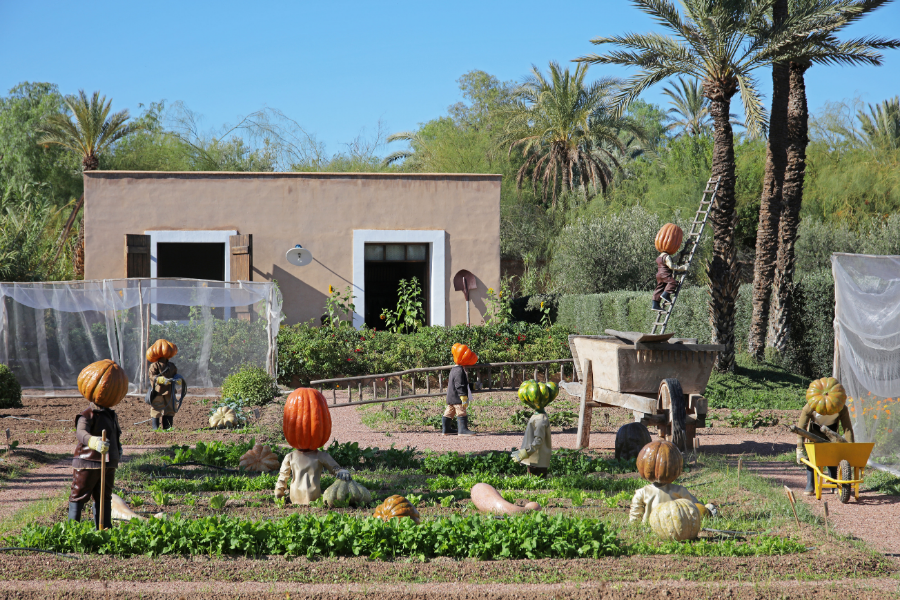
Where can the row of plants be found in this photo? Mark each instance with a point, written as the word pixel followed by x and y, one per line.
pixel 529 536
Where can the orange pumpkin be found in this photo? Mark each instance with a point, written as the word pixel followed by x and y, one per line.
pixel 826 396
pixel 396 506
pixel 161 349
pixel 104 383
pixel 660 462
pixel 307 420
pixel 669 238
pixel 463 356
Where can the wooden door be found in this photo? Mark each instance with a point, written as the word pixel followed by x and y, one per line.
pixel 242 266
pixel 137 255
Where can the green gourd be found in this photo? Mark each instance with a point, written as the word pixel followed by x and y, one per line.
pixel 342 494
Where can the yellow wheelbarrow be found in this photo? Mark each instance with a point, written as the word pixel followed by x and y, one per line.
pixel 850 459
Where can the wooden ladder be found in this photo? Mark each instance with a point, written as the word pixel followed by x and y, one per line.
pixel 707 202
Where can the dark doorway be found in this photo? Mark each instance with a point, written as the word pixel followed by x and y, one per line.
pixel 191 261
pixel 386 265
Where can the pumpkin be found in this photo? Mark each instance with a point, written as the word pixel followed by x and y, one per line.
pixel 224 417
pixel 307 421
pixel 260 458
pixel 677 520
pixel 463 356
pixel 104 383
pixel 701 508
pixel 537 394
pixel 826 396
pixel 161 349
pixel 669 238
pixel 396 506
pixel 342 494
pixel 630 438
pixel 660 462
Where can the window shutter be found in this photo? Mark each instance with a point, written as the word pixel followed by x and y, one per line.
pixel 137 255
pixel 241 257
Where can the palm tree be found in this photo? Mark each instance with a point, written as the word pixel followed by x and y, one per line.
pixel 881 126
pixel 721 43
pixel 823 50
pixel 88 130
pixel 690 108
pixel 566 130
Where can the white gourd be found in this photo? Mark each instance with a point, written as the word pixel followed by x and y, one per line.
pixel 676 520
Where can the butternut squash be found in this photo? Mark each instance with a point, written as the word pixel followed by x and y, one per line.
pixel 487 499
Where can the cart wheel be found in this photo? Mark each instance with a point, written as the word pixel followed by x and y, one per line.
pixel 845 473
pixel 670 393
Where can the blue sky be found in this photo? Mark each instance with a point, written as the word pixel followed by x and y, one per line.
pixel 338 67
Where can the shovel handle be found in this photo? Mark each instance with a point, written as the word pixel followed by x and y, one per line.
pixel 102 485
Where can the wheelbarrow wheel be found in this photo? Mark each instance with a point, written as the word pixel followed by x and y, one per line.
pixel 670 394
pixel 845 473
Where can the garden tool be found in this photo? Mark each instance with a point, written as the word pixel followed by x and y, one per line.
pixel 102 485
pixel 167 381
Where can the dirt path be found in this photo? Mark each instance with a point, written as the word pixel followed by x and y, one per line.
pixel 874 518
pixel 869 589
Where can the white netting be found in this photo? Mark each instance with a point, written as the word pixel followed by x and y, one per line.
pixel 867 341
pixel 50 331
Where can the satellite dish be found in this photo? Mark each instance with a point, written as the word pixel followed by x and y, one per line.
pixel 299 256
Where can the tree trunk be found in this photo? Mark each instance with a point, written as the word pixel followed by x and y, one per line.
pixel 722 269
pixel 792 198
pixel 770 201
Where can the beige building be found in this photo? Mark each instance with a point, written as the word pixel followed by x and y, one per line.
pixel 365 231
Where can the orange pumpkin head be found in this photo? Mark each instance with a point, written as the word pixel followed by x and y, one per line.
pixel 104 383
pixel 161 349
pixel 307 421
pixel 463 356
pixel 826 396
pixel 669 238
pixel 660 462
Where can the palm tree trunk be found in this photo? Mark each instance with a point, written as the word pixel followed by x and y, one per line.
pixel 792 198
pixel 722 269
pixel 770 201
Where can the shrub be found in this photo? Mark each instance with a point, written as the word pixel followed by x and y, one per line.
pixel 251 384
pixel 10 390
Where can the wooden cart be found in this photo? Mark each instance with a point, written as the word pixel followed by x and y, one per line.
pixel 660 379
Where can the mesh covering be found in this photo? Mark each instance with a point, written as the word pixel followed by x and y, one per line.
pixel 867 349
pixel 50 331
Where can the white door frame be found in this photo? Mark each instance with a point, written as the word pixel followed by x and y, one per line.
pixel 437 241
pixel 199 236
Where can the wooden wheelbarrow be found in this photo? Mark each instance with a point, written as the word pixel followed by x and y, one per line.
pixel 850 459
pixel 660 379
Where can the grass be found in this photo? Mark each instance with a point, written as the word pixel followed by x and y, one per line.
pixel 35 512
pixel 756 386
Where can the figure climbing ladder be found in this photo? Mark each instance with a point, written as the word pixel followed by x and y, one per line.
pixel 707 201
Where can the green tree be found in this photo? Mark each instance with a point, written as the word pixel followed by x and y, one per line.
pixel 87 130
pixel 567 129
pixel 720 43
pixel 690 108
pixel 22 160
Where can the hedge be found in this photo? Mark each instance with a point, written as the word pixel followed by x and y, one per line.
pixel 811 348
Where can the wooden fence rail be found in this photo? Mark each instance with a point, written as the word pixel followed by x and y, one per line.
pixel 507 381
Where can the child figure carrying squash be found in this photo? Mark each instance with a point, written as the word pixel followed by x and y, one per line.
pixel 458 391
pixel 103 384
pixel 307 426
pixel 825 408
pixel 162 370
pixel 668 241
pixel 536 444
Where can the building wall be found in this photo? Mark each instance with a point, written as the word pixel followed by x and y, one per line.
pixel 319 211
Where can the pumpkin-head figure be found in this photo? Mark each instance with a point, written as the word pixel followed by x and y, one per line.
pixel 826 396
pixel 161 349
pixel 669 238
pixel 307 421
pixel 660 462
pixel 537 394
pixel 104 383
pixel 463 356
